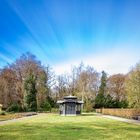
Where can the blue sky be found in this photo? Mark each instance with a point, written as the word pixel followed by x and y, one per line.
pixel 102 33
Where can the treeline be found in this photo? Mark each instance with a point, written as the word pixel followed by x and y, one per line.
pixel 27 85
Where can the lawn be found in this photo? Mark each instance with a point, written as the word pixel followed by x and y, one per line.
pixel 55 127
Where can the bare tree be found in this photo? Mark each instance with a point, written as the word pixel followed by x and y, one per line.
pixel 116 86
pixel 132 86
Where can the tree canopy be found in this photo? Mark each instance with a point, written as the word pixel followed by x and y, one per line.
pixel 27 83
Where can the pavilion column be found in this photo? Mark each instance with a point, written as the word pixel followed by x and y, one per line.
pixel 64 109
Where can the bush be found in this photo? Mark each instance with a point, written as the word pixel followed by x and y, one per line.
pixel 123 104
pixel 55 110
pixel 47 106
pixel 88 107
pixel 40 110
pixel 109 102
pixel 2 113
pixel 51 102
pixel 14 108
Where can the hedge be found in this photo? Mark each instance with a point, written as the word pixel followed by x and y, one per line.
pixel 127 113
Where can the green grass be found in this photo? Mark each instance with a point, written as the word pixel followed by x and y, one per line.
pixel 55 127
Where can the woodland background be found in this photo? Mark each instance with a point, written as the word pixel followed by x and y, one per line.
pixel 27 85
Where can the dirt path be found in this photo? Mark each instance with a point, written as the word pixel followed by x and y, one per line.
pixel 122 119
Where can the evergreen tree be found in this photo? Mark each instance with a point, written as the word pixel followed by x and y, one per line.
pixel 48 104
pixel 30 93
pixel 100 98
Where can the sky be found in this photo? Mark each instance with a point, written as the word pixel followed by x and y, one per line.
pixel 104 34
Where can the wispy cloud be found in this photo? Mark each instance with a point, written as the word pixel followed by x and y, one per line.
pixel 38 24
pixel 104 35
pixel 115 60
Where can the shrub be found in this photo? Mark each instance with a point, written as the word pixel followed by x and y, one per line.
pixel 88 107
pixel 40 110
pixel 2 113
pixel 14 108
pixel 55 110
pixel 51 102
pixel 47 106
pixel 123 104
pixel 109 102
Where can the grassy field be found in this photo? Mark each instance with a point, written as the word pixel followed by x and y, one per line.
pixel 55 127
